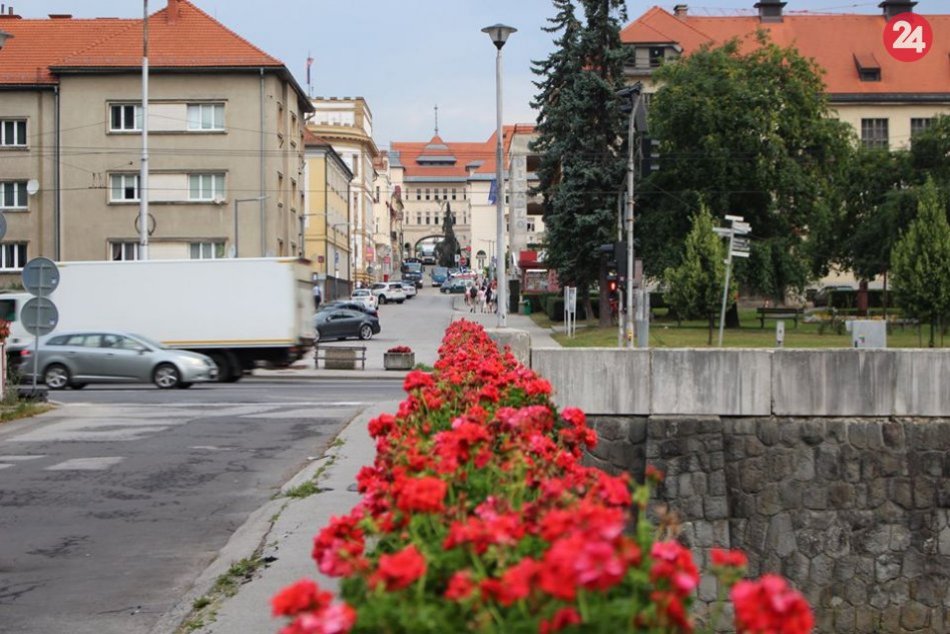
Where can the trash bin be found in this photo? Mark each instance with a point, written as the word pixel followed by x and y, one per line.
pixel 525 307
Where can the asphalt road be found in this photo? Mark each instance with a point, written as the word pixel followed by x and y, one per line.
pixel 112 505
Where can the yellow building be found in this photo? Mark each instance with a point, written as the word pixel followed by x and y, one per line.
pixel 326 220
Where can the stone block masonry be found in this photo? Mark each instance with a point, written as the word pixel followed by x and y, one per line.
pixel 854 511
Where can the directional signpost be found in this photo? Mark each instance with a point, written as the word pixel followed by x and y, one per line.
pixel 39 315
pixel 739 248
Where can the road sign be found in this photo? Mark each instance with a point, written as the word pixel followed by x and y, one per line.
pixel 40 276
pixel 39 316
pixel 741 227
pixel 740 244
pixel 740 254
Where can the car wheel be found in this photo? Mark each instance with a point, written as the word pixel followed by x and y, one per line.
pixel 56 376
pixel 382 299
pixel 166 376
pixel 77 386
pixel 366 332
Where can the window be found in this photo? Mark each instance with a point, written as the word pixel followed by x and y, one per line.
pixel 126 118
pixel 435 221
pixel 657 54
pixel 13 133
pixel 919 125
pixel 13 195
pixel 869 74
pixel 874 133
pixel 428 218
pixel 205 116
pixel 453 193
pixel 445 193
pixel 530 225
pixel 418 219
pixel 418 194
pixel 207 250
pixel 124 250
pixel 12 255
pixel 205 186
pixel 427 193
pixel 124 188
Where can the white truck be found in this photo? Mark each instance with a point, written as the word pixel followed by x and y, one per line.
pixel 241 312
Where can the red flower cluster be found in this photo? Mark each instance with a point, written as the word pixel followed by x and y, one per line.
pixel 405 349
pixel 315 612
pixel 770 606
pixel 483 516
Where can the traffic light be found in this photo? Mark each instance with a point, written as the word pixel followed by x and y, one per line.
pixel 612 286
pixel 620 257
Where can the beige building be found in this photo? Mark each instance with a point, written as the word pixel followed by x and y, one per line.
pixel 326 221
pixel 886 101
pixel 225 137
pixel 437 176
pixel 347 123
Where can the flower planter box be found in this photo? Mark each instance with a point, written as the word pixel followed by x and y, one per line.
pixel 399 360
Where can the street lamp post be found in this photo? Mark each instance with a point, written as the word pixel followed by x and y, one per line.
pixel 633 94
pixel 499 35
pixel 236 202
pixel 143 173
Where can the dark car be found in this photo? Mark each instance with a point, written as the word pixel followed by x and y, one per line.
pixel 439 275
pixel 455 287
pixel 340 323
pixel 349 305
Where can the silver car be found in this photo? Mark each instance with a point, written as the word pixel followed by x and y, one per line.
pixel 74 359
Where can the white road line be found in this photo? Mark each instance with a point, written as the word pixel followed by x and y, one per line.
pixel 86 464
pixel 21 458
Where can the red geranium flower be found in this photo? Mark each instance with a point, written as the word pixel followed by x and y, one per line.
pixel 770 605
pixel 399 570
pixel 303 596
pixel 423 495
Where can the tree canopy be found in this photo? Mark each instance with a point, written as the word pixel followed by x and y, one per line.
pixel 580 131
pixel 746 133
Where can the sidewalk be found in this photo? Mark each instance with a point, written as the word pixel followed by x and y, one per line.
pixel 540 337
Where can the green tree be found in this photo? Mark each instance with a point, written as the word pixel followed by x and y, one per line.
pixel 920 262
pixel 448 248
pixel 580 134
pixel 750 134
pixel 694 288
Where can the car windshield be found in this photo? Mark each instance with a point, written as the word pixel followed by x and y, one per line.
pixel 360 292
pixel 150 342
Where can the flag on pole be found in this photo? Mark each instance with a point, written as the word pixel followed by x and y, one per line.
pixel 493 192
pixel 309 64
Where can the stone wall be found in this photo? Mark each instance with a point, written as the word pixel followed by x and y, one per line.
pixel 855 512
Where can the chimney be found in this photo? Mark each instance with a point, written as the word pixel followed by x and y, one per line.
pixel 680 10
pixel 770 10
pixel 896 7
pixel 171 14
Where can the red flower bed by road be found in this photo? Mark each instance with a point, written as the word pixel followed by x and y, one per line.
pixel 483 518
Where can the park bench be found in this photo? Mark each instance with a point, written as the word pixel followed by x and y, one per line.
pixel 778 312
pixel 339 357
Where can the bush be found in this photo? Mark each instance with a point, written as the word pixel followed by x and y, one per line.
pixel 483 518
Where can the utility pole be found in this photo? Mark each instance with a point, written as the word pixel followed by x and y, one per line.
pixel 633 94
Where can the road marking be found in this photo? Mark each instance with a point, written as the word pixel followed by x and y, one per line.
pixel 21 458
pixel 4 466
pixel 86 464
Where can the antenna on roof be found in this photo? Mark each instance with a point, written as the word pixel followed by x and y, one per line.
pixel 437 119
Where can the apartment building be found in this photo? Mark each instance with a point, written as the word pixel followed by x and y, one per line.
pixel 326 220
pixel 224 132
pixel 437 176
pixel 886 101
pixel 347 123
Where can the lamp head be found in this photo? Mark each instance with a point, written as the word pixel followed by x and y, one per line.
pixel 499 34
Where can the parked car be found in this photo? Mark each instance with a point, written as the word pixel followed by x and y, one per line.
pixel 75 359
pixel 408 287
pixel 455 286
pixel 366 297
pixel 349 304
pixel 438 274
pixel 389 292
pixel 341 323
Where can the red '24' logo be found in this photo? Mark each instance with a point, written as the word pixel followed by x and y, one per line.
pixel 908 37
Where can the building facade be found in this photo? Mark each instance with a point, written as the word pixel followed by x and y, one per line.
pixel 436 177
pixel 347 123
pixel 224 132
pixel 886 101
pixel 326 220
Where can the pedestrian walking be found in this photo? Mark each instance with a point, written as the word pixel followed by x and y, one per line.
pixel 317 296
pixel 470 295
pixel 481 300
pixel 489 298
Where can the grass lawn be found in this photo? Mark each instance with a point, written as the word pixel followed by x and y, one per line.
pixel 694 334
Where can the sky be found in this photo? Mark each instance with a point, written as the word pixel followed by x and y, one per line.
pixel 405 57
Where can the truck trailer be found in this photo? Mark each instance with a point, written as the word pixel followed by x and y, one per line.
pixel 242 312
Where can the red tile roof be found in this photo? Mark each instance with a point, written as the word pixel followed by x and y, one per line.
pixel 180 35
pixel 833 41
pixel 464 154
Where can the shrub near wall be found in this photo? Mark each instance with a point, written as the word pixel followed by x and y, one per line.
pixel 483 519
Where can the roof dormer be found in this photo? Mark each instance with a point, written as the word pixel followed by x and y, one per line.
pixel 869 69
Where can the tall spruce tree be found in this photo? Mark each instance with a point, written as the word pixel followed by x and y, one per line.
pixel 581 130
